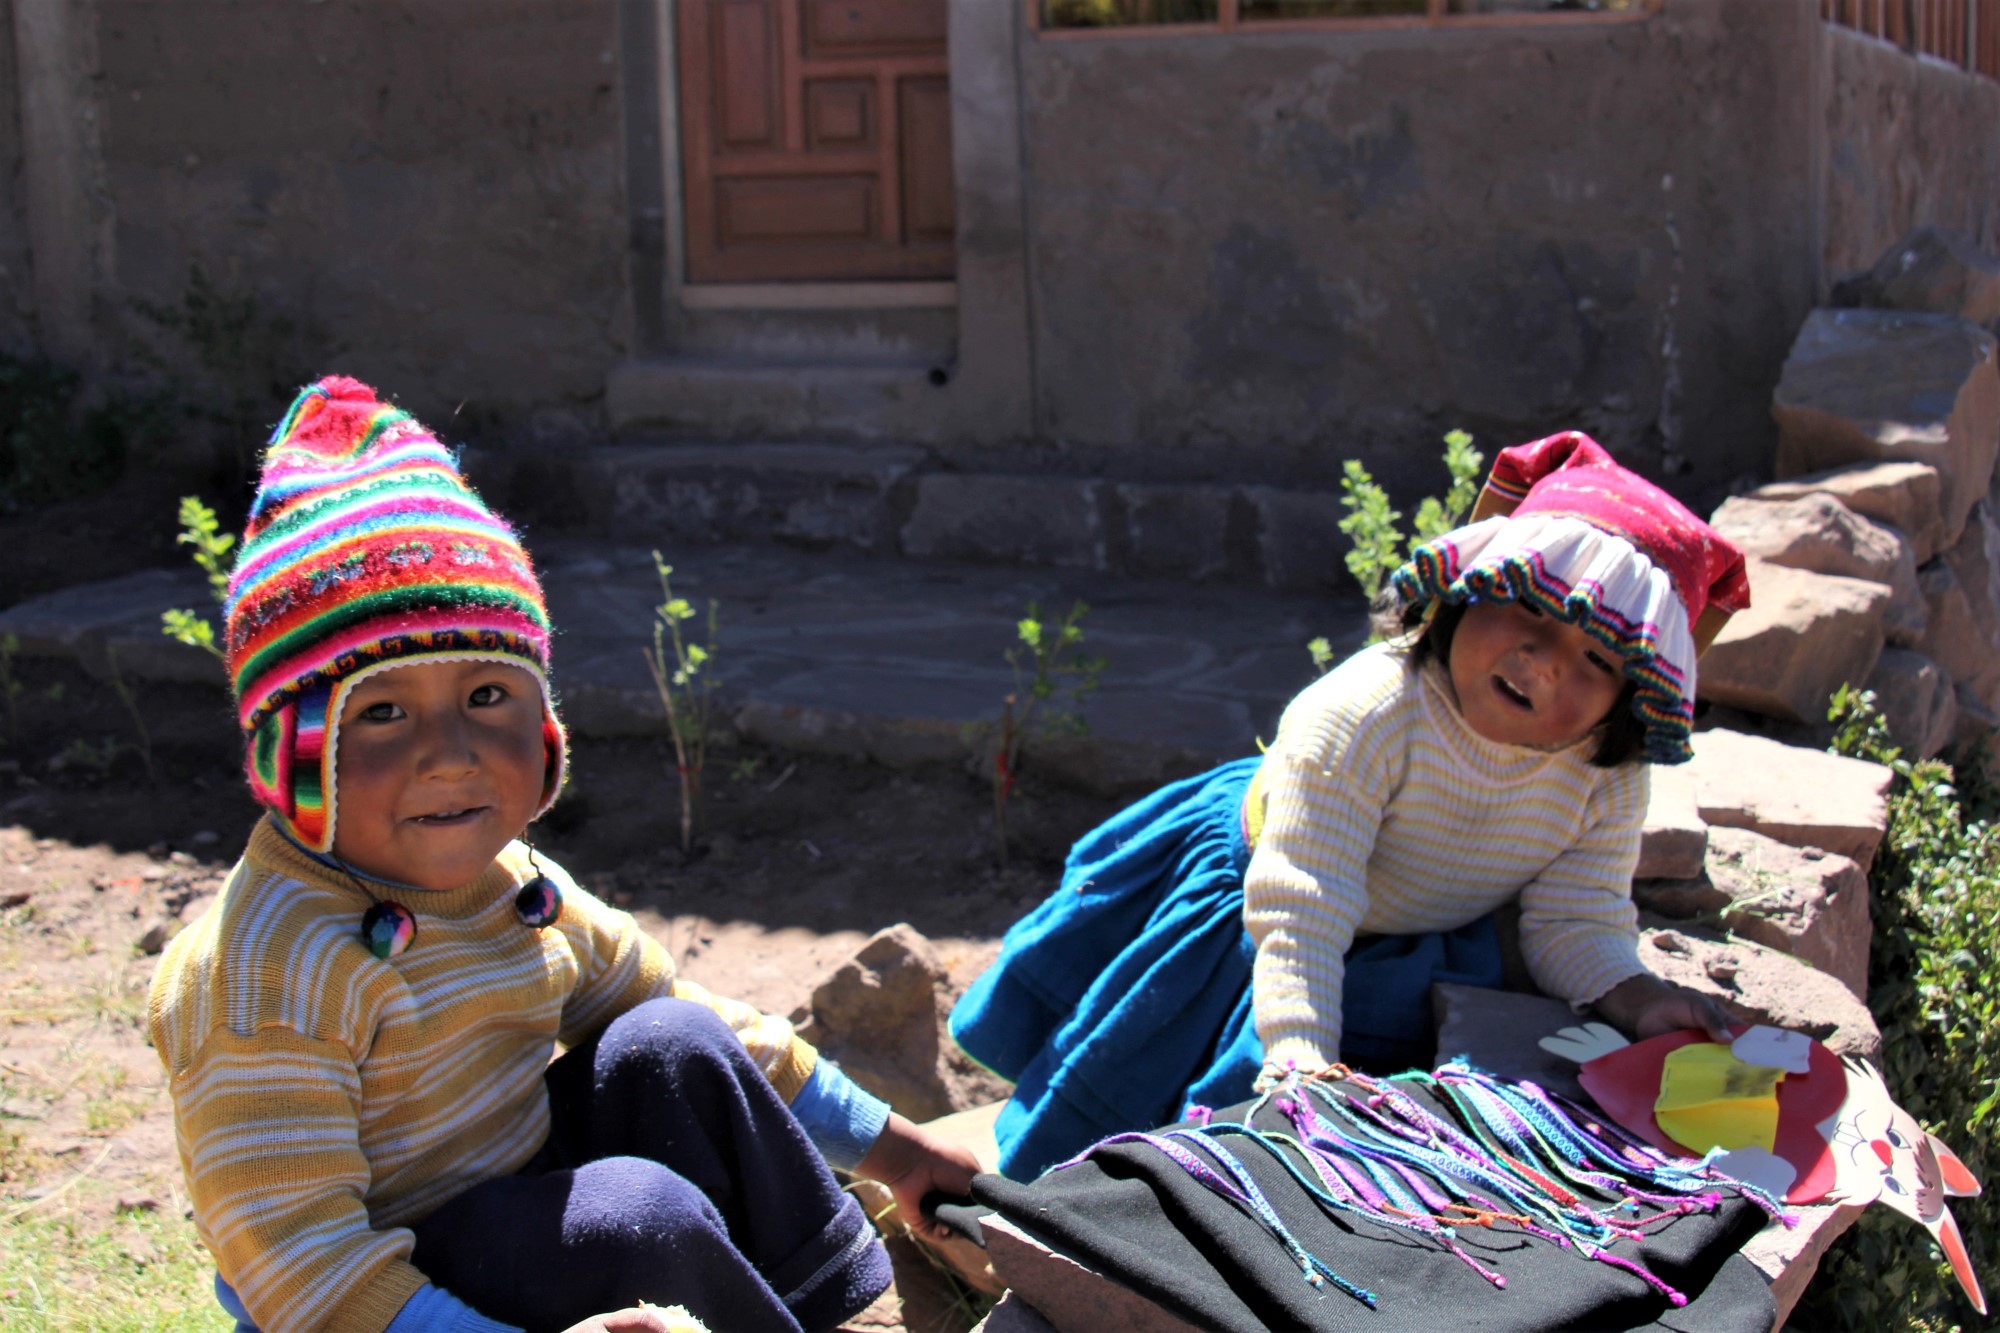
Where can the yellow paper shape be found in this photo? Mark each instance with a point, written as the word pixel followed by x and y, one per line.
pixel 1711 1099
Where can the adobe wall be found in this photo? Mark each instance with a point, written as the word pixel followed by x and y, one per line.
pixel 16 296
pixel 440 198
pixel 1265 253
pixel 1909 141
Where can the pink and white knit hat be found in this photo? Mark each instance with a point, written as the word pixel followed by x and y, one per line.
pixel 1600 547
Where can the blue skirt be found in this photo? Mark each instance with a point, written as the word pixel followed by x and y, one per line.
pixel 1126 995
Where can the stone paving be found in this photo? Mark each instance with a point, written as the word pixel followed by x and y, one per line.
pixel 842 653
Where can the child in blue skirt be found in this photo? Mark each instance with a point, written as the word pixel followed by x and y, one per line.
pixel 1294 910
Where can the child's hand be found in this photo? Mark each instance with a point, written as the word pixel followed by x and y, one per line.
pixel 637 1319
pixel 1645 1006
pixel 914 1163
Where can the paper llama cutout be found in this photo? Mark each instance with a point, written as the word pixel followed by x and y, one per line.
pixel 1838 1135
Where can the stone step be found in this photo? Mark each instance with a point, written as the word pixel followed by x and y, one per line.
pixel 832 652
pixel 889 499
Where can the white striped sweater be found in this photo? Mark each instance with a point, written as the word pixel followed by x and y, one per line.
pixel 1379 811
pixel 324 1099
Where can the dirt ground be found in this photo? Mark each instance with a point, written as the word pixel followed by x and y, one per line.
pixel 101 861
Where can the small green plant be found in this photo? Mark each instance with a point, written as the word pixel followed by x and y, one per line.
pixel 1051 681
pixel 211 547
pixel 687 690
pixel 1936 908
pixel 1375 529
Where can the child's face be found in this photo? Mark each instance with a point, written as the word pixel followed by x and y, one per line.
pixel 439 765
pixel 1523 678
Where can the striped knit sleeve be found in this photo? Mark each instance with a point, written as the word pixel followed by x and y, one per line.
pixel 267 1125
pixel 620 965
pixel 1326 782
pixel 1579 928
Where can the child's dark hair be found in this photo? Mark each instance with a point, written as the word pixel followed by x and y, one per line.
pixel 1624 736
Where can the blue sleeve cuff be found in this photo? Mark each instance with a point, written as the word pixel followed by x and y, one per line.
pixel 842 1121
pixel 432 1309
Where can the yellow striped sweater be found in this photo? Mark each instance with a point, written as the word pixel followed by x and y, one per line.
pixel 1379 811
pixel 323 1099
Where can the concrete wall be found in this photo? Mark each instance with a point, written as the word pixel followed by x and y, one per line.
pixel 434 189
pixel 1300 247
pixel 16 302
pixel 1909 141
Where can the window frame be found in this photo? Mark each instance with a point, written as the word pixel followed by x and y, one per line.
pixel 1229 20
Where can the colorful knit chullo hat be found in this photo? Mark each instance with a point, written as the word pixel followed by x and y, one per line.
pixel 365 550
pixel 1588 542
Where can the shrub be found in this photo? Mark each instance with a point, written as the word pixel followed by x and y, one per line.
pixel 1937 931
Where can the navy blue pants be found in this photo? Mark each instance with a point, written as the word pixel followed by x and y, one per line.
pixel 673 1173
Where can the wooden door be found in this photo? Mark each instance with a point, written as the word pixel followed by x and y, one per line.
pixel 815 140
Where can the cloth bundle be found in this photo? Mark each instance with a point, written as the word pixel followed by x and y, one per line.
pixel 1453 1200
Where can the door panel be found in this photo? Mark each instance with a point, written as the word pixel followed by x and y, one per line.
pixel 815 139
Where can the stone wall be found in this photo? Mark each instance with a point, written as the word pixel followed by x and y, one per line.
pixel 1909 142
pixel 438 196
pixel 16 300
pixel 1340 243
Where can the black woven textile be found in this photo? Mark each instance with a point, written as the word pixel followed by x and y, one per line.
pixel 1130 1213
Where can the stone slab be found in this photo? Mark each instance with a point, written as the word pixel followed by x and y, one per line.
pixel 1802 901
pixel 1788 1257
pixel 1935 270
pixel 1806 798
pixel 1917 701
pixel 1014 1315
pixel 1179 532
pixel 1901 494
pixel 1012 520
pixel 1760 985
pixel 1861 385
pixel 1674 841
pixel 1818 533
pixel 1071 1297
pixel 836 652
pixel 1802 637
pixel 1500 1032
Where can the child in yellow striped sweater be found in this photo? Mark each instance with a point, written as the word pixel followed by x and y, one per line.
pixel 359 1034
pixel 1294 909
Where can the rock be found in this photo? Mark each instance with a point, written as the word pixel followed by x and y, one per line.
pixel 1902 495
pixel 138 1203
pixel 1008 520
pixel 881 1015
pixel 1068 1295
pixel 1299 537
pixel 1974 561
pixel 1500 1032
pixel 1805 798
pixel 1674 840
pixel 1817 532
pixel 1766 986
pixel 1932 270
pixel 1963 649
pixel 1862 385
pixel 1802 901
pixel 1916 700
pixel 1014 1315
pixel 1789 1256
pixel 155 937
pixel 1802 637
pixel 1977 742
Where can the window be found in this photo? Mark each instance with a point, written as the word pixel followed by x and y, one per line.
pixel 1965 33
pixel 1070 17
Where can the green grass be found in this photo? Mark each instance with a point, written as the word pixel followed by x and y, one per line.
pixel 62 1268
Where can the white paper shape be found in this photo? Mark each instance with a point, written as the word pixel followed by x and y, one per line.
pixel 1584 1043
pixel 1756 1166
pixel 1774 1048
